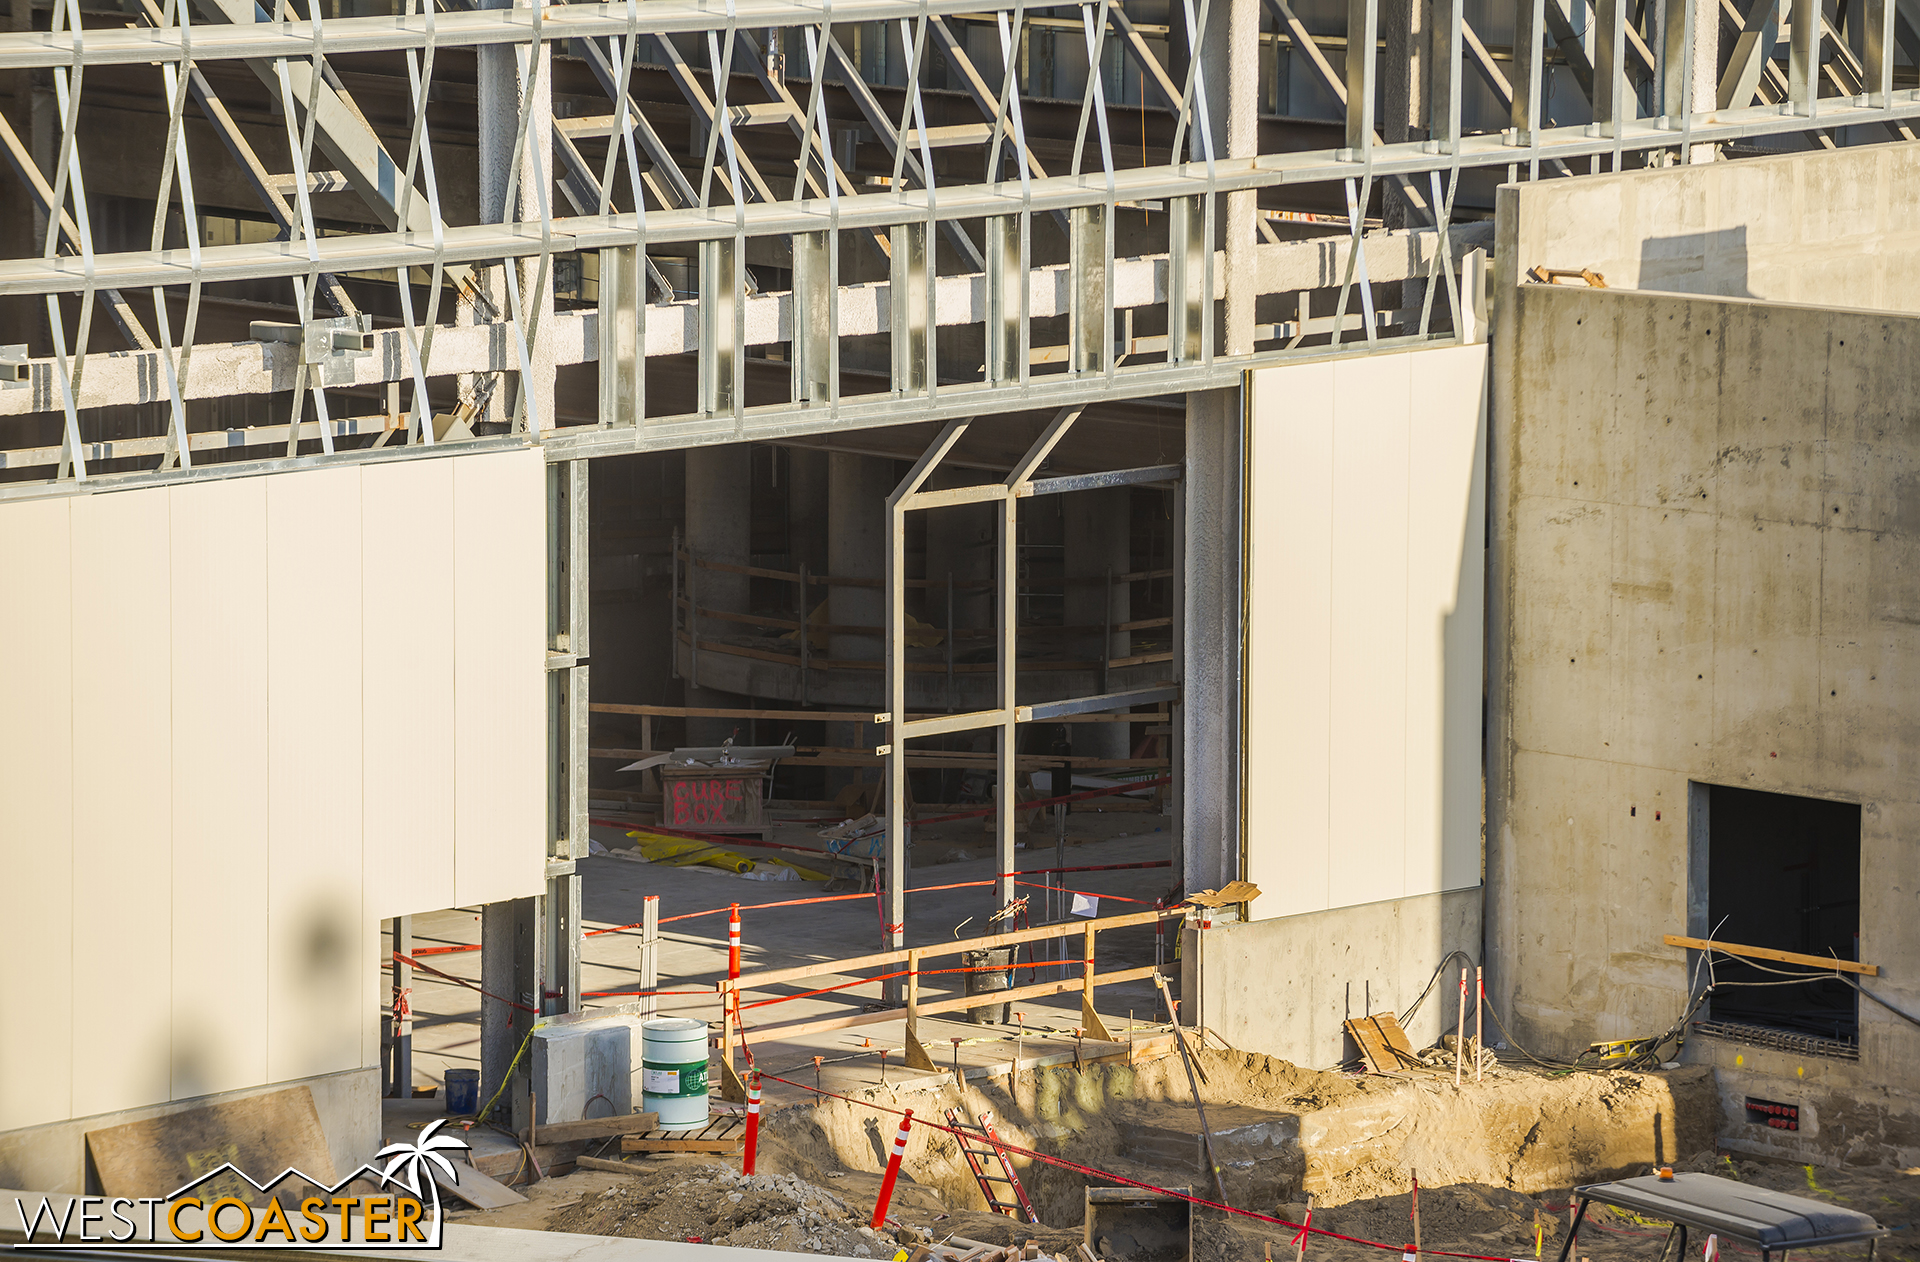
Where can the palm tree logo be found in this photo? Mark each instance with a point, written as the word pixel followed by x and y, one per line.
pixel 410 1161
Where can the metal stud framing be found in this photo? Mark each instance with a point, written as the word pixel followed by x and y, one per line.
pixel 980 248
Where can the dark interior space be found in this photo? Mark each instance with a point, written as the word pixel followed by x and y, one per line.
pixel 1784 873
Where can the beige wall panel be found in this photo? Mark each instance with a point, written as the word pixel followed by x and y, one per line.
pixel 36 814
pixel 1288 684
pixel 499 664
pixel 318 971
pixel 1367 515
pixel 408 645
pixel 1367 831
pixel 122 802
pixel 219 686
pixel 1446 588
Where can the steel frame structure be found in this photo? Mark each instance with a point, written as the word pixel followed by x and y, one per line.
pixel 1005 718
pixel 1204 284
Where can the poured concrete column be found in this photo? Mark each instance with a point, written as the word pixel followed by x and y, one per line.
pixel 1230 60
pixel 1210 719
pixel 511 969
pixel 960 545
pixel 502 71
pixel 1099 539
pixel 805 469
pixel 1405 27
pixel 719 482
pixel 857 490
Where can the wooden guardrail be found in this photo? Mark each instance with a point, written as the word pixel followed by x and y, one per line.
pixel 730 989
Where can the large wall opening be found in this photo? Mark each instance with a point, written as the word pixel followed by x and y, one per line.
pixel 1783 872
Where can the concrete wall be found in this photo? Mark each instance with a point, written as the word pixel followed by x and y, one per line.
pixel 1367 520
pixel 1706 569
pixel 255 717
pixel 1283 986
pixel 1831 227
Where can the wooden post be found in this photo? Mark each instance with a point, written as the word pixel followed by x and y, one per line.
pixel 1089 1019
pixel 649 954
pixel 732 1086
pixel 917 1057
pixel 1459 1032
pixel 1479 1004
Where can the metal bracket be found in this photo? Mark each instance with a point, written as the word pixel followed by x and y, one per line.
pixel 328 347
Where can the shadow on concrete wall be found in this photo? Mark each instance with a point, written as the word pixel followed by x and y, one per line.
pixel 1697 263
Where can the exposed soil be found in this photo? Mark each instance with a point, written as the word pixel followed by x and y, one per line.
pixel 1494 1162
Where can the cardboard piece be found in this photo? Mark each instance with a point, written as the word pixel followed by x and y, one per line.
pixel 1233 892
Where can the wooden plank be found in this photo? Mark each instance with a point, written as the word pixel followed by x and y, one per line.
pixel 754 981
pixel 640 1143
pixel 482 1191
pixel 262 1135
pixel 1384 1044
pixel 594 1128
pixel 1768 953
pixel 838 716
pixel 611 1167
pixel 954 1004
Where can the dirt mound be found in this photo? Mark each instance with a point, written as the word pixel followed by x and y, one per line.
pixel 715 1205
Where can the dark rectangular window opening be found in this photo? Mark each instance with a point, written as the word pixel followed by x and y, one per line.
pixel 1783 872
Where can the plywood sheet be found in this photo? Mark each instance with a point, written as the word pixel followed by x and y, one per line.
pixel 262 1135
pixel 36 813
pixel 319 976
pixel 1384 1044
pixel 499 665
pixel 122 810
pixel 218 619
pixel 408 637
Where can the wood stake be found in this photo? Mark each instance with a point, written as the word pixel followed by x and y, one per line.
pixel 1300 1250
pixel 1479 1004
pixel 1459 1032
pixel 1416 1211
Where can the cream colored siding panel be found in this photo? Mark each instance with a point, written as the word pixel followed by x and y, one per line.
pixel 1289 646
pixel 499 699
pixel 407 638
pixel 122 802
pixel 219 724
pixel 1367 824
pixel 317 971
pixel 1365 578
pixel 36 814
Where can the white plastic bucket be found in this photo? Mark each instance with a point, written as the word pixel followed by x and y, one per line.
pixel 673 1070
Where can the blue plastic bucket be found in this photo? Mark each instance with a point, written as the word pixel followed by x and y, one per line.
pixel 463 1092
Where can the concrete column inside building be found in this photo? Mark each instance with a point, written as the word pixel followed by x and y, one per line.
pixel 857 490
pixel 1099 540
pixel 509 195
pixel 1210 704
pixel 719 529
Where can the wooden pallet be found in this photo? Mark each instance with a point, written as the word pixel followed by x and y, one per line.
pixel 721 1135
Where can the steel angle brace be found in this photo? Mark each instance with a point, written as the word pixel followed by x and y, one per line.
pixel 23 165
pixel 815 143
pixel 1336 84
pixel 889 133
pixel 985 101
pixel 214 110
